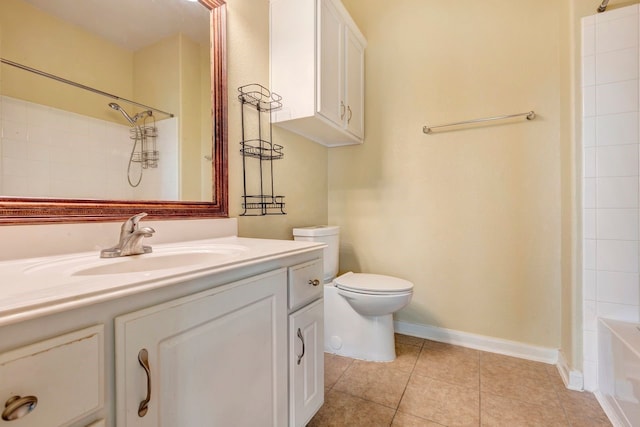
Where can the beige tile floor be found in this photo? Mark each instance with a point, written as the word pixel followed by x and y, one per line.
pixel 434 384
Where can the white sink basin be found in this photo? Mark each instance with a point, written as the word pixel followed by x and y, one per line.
pixel 163 258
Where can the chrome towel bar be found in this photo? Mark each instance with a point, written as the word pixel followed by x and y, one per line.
pixel 530 115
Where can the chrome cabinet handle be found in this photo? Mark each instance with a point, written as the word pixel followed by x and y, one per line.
pixel 301 339
pixel 143 358
pixel 314 282
pixel 350 114
pixel 342 110
pixel 17 407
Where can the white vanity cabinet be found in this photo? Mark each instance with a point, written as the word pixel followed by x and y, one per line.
pixel 202 347
pixel 306 342
pixel 214 358
pixel 317 66
pixel 54 382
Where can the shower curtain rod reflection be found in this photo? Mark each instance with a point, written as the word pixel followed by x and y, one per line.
pixel 530 115
pixel 79 85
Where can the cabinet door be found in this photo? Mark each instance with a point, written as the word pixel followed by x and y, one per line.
pixel 354 84
pixel 217 358
pixel 306 363
pixel 330 63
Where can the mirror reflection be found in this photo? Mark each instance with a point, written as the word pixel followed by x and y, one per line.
pixel 105 100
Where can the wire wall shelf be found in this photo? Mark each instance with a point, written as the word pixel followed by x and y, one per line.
pixel 260 97
pixel 259 197
pixel 260 149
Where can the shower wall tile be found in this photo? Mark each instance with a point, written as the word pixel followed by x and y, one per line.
pixel 589 254
pixel 589 315
pixel 589 101
pixel 589 132
pixel 615 66
pixel 618 287
pixel 615 129
pixel 14 130
pixel 589 193
pixel 616 160
pixel 589 289
pixel 589 224
pixel 615 14
pixel 590 342
pixel 14 149
pixel 617 193
pixel 624 312
pixel 588 70
pixel 589 169
pixel 613 98
pixel 15 111
pixel 45 152
pixel 588 38
pixel 616 224
pixel 617 255
pixel 615 34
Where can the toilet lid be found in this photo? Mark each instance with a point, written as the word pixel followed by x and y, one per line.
pixel 376 283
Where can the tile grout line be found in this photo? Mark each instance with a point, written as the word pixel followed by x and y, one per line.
pixel 555 390
pixel 407 384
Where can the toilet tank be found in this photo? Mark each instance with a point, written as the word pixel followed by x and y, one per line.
pixel 329 234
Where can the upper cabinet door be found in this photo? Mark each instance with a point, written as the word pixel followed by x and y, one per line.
pixel 354 84
pixel 317 37
pixel 331 64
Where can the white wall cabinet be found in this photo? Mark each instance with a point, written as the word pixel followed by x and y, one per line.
pixel 215 358
pixel 317 66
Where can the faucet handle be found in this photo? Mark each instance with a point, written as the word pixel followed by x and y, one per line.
pixel 131 224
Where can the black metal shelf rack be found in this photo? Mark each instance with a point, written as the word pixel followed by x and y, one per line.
pixel 257 97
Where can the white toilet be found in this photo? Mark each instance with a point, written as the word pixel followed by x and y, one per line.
pixel 358 307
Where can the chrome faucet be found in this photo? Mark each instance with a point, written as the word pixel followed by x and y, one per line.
pixel 131 236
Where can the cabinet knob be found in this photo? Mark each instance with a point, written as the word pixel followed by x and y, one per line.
pixel 314 282
pixel 17 407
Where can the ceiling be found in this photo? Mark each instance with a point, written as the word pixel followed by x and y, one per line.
pixel 132 24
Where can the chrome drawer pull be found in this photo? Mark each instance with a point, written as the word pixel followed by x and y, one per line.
pixel 17 407
pixel 314 282
pixel 143 358
pixel 301 339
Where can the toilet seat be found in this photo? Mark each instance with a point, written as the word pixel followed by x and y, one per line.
pixel 373 284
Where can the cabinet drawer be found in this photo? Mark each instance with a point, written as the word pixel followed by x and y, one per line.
pixel 64 373
pixel 305 283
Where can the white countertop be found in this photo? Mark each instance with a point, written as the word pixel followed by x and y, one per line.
pixel 35 287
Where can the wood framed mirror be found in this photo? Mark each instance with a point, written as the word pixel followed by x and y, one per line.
pixel 28 210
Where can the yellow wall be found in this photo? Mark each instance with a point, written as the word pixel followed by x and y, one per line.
pixel 168 75
pixel 301 176
pixel 38 40
pixel 472 217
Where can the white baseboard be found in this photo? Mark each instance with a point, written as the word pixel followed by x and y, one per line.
pixel 479 342
pixel 573 380
pixel 612 410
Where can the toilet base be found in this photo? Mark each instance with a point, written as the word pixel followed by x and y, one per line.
pixel 349 334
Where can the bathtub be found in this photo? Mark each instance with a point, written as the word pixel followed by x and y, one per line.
pixel 619 371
